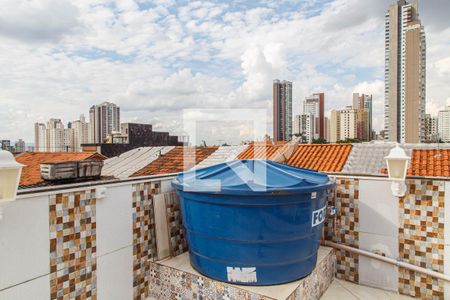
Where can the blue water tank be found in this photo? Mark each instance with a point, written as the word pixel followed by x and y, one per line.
pixel 253 222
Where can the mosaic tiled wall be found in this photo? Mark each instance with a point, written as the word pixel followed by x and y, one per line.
pixel 421 237
pixel 318 282
pixel 177 235
pixel 170 283
pixel 73 247
pixel 144 236
pixel 344 228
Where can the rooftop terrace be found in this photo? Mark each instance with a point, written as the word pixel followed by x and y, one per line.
pixel 131 242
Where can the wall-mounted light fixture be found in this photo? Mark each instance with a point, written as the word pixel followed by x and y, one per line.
pixel 397 164
pixel 10 171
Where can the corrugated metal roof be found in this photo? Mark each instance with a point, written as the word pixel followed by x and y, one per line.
pixel 368 158
pixel 223 154
pixel 124 165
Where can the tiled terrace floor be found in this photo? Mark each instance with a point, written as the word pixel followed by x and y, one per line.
pixel 340 289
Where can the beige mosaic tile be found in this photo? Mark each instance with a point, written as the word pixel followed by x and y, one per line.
pixel 344 228
pixel 315 285
pixel 177 233
pixel 421 237
pixel 73 263
pixel 144 236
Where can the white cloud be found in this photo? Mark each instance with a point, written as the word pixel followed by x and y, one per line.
pixel 38 20
pixel 154 58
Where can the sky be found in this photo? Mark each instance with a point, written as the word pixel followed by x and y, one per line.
pixel 156 58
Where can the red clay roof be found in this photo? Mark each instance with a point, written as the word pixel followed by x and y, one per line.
pixel 173 161
pixel 325 158
pixel 31 174
pixel 259 151
pixel 430 163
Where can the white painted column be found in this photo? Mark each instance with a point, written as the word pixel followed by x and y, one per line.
pixel 378 224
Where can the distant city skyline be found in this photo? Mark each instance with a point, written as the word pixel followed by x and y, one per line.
pixel 169 57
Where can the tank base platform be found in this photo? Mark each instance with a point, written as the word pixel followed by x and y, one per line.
pixel 175 278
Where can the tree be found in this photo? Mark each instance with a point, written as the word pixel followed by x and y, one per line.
pixel 319 141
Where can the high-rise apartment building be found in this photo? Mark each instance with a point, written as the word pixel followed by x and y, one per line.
pixel 282 110
pixel 69 145
pixel 19 146
pixel 315 105
pixel 5 145
pixel 327 129
pixel 40 137
pixel 405 73
pixel 304 125
pixel 55 136
pixel 444 125
pixel 431 128
pixel 348 123
pixel 335 126
pixel 104 119
pixel 80 133
pixel 363 104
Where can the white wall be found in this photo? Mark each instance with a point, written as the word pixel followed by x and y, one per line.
pixel 24 247
pixel 114 244
pixel 378 221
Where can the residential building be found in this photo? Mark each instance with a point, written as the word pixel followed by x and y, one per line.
pixel 363 104
pixel 405 73
pixel 362 125
pixel 103 120
pixel 335 126
pixel 6 145
pixel 19 146
pixel 304 125
pixel 315 105
pixel 382 135
pixel 55 136
pixel 444 125
pixel 80 133
pixel 327 129
pixel 40 137
pixel 282 110
pixel 132 136
pixel 431 128
pixel 69 145
pixel 348 123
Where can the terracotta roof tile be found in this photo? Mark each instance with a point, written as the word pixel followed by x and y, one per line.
pixel 31 173
pixel 174 160
pixel 430 162
pixel 326 158
pixel 260 151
